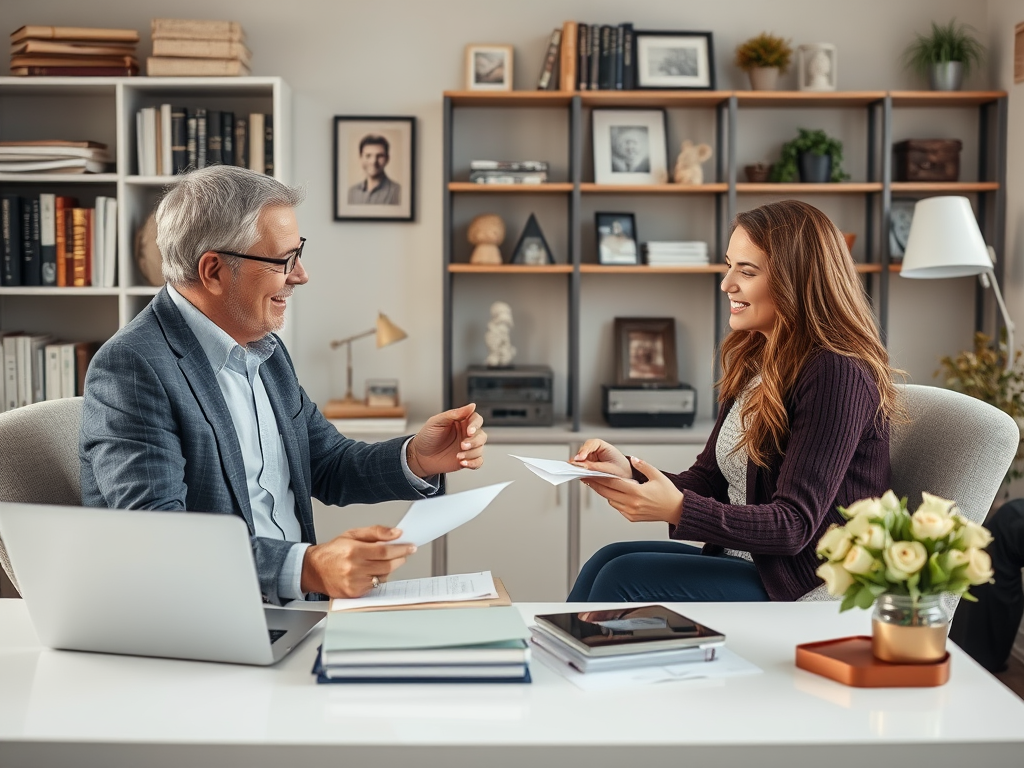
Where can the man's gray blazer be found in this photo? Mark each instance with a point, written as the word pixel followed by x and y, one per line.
pixel 157 434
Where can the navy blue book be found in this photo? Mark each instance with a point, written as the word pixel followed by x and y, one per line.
pixel 10 230
pixel 628 58
pixel 31 261
pixel 619 37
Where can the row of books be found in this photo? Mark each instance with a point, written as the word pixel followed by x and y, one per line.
pixel 54 156
pixel 172 139
pixel 508 171
pixel 198 48
pixel 73 51
pixel 49 240
pixel 37 367
pixel 595 57
pixel 675 253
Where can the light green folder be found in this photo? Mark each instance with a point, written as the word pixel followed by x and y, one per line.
pixel 421 629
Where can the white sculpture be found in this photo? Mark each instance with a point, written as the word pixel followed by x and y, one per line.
pixel 498 336
pixel 816 64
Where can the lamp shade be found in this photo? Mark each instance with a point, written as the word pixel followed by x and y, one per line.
pixel 387 332
pixel 944 240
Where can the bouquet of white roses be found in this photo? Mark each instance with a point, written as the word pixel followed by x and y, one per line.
pixel 883 548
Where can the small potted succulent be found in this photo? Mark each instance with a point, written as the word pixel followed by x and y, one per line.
pixel 945 56
pixel 764 58
pixel 813 156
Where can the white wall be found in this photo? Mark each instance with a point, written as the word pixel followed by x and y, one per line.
pixel 395 57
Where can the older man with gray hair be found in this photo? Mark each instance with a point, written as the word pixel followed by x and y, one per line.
pixel 195 405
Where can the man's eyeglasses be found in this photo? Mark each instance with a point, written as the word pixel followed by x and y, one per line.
pixel 288 262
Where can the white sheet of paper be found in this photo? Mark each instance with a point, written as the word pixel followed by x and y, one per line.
pixel 429 518
pixel 558 472
pixel 728 664
pixel 433 589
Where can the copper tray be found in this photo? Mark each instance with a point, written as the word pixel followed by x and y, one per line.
pixel 849 660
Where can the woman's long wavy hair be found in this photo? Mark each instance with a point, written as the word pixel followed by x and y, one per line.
pixel 819 305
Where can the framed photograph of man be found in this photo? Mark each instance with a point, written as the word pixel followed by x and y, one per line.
pixel 374 168
pixel 645 352
pixel 629 146
pixel 676 60
pixel 616 238
pixel 488 67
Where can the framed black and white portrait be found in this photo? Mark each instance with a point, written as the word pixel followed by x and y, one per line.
pixel 629 146
pixel 488 67
pixel 676 60
pixel 374 168
pixel 616 238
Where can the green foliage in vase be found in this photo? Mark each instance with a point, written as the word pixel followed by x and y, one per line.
pixel 949 42
pixel 816 142
pixel 765 50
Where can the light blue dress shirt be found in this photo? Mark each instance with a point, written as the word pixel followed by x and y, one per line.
pixel 267 475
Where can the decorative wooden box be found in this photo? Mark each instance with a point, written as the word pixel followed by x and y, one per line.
pixel 928 160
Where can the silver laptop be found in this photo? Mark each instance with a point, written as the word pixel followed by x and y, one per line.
pixel 173 584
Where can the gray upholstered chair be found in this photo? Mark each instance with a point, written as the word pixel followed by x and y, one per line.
pixel 39 457
pixel 954 446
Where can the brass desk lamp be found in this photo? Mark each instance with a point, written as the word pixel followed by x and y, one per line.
pixel 386 333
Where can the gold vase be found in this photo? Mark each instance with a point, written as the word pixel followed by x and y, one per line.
pixel 905 631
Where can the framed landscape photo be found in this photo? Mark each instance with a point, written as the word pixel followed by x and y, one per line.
pixel 676 60
pixel 616 238
pixel 629 146
pixel 489 67
pixel 374 168
pixel 645 352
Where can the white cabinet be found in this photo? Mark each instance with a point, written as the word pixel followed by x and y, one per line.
pixel 600 524
pixel 522 537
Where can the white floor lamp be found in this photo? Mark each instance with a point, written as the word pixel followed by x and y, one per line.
pixel 945 241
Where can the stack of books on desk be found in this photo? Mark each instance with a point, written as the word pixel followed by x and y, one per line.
pixel 650 635
pixel 433 645
pixel 675 253
pixel 508 171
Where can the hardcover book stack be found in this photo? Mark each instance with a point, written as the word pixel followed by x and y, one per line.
pixel 198 48
pixel 50 240
pixel 675 253
pixel 172 139
pixel 508 171
pixel 73 51
pixel 595 57
pixel 470 645
pixel 53 156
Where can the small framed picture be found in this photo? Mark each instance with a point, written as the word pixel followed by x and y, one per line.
pixel 630 147
pixel 532 248
pixel 488 67
pixel 374 168
pixel 901 214
pixel 616 238
pixel 382 393
pixel 645 352
pixel 676 60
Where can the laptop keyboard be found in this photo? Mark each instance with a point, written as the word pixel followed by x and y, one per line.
pixel 276 634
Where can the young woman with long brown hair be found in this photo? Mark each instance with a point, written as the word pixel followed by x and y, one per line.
pixel 806 398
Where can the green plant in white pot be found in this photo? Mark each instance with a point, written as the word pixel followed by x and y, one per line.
pixel 945 56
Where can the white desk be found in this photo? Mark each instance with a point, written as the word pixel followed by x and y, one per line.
pixel 59 707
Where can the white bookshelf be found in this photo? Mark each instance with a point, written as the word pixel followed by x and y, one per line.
pixel 103 109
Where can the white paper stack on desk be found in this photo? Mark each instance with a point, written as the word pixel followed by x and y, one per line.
pixel 442 645
pixel 625 638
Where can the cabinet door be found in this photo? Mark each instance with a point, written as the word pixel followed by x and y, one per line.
pixel 522 537
pixel 601 525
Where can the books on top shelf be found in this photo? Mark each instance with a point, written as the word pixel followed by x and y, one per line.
pixel 433 645
pixel 73 51
pixel 171 139
pixel 675 253
pixel 589 57
pixel 198 48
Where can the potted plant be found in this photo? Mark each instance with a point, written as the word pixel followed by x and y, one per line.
pixel 945 56
pixel 763 58
pixel 902 563
pixel 813 156
pixel 982 373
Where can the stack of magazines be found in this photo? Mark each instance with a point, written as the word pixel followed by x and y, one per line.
pixel 470 645
pixel 53 156
pixel 508 171
pixel 676 253
pixel 625 638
